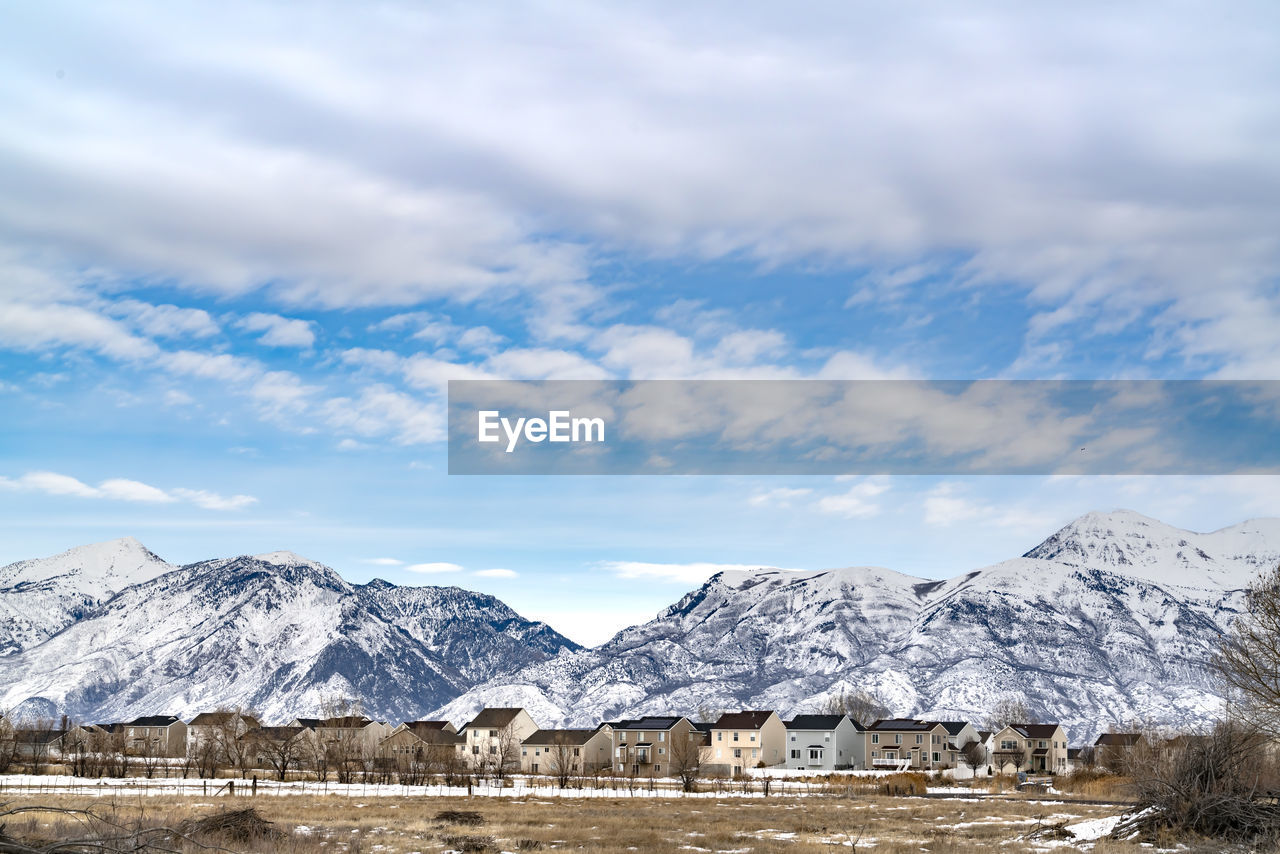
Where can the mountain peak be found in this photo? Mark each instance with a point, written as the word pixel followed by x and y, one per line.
pixel 99 568
pixel 287 558
pixel 1130 543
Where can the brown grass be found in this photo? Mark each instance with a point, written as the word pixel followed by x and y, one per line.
pixel 346 825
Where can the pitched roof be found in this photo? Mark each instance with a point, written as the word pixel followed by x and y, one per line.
pixel 649 722
pixel 1118 739
pixel 346 722
pixel 498 717
pixel 743 720
pixel 309 723
pixel 561 736
pixel 820 722
pixel 154 720
pixel 280 732
pixel 954 727
pixel 220 718
pixel 902 725
pixel 1036 730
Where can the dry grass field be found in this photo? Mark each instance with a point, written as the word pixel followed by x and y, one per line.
pixel 331 825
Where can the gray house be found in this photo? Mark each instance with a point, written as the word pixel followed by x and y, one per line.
pixel 825 742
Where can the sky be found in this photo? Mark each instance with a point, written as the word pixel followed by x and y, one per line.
pixel 243 247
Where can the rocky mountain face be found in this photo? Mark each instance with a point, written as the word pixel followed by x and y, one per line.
pixel 276 633
pixel 39 598
pixel 1110 621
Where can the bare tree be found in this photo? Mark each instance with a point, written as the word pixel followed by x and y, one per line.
pixel 686 760
pixel 279 748
pixel 8 743
pixel 234 738
pixel 563 763
pixel 205 755
pixel 863 707
pixel 37 743
pixel 1219 785
pixel 1248 659
pixel 1009 710
pixel 974 755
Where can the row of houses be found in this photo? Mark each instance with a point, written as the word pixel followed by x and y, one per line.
pixel 505 740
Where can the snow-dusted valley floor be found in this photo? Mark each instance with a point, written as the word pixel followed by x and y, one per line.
pixel 374 823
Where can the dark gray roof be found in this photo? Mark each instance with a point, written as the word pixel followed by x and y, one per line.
pixel 902 725
pixel 819 722
pixel 154 720
pixel 743 720
pixel 653 722
pixel 561 736
pixel 954 727
pixel 497 718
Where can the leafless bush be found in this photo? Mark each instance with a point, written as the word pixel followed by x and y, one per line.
pixel 1223 786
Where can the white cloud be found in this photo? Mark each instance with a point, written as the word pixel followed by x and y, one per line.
pixel 132 490
pixel 214 501
pixel 167 321
pixel 122 489
pixel 383 561
pixel 496 573
pixel 279 331
pixel 46 326
pixel 858 502
pixel 782 496
pixel 676 573
pixel 436 568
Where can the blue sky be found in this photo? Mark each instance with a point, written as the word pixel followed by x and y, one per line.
pixel 243 248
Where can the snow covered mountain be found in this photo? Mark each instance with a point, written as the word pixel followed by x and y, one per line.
pixel 1110 620
pixel 276 632
pixel 39 598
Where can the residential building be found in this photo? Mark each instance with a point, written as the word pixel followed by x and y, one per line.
pixel 909 744
pixel 215 727
pixel 419 740
pixel 573 751
pixel 648 746
pixel 493 737
pixel 156 735
pixel 1036 748
pixel 749 739
pixel 825 742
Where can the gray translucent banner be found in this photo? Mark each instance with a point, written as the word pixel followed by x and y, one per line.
pixel 864 427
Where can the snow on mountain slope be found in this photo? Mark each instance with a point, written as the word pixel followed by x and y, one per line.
pixel 1132 544
pixel 1083 628
pixel 39 598
pixel 276 633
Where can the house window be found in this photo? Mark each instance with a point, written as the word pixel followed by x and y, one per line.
pixel 622 736
pixel 919 739
pixel 657 769
pixel 755 753
pixel 577 751
pixel 793 738
pixel 815 755
pixel 937 757
pixel 719 736
pixel 737 753
pixel 752 737
pixel 662 736
pixel 875 738
pixel 524 752
pixel 661 751
pixel 827 737
pixel 735 736
pixel 897 739
pixel 795 754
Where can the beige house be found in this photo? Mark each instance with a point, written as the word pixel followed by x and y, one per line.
pixel 210 728
pixel 648 746
pixel 575 751
pixel 493 737
pixel 156 735
pixel 416 740
pixel 1035 748
pixel 909 744
pixel 748 740
pixel 356 731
